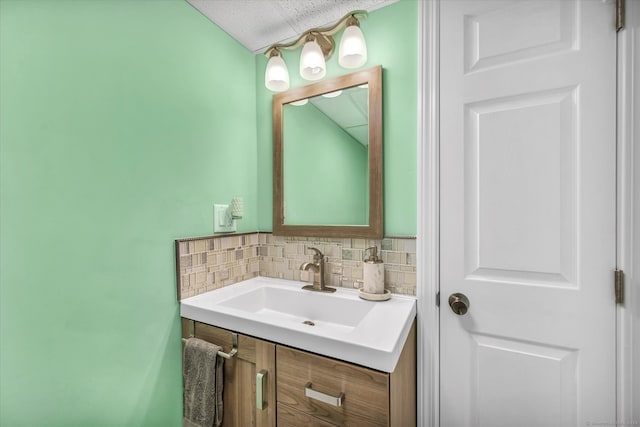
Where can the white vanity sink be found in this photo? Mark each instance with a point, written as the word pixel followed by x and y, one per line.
pixel 290 305
pixel 339 325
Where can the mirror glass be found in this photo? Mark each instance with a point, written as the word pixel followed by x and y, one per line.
pixel 326 140
pixel 327 158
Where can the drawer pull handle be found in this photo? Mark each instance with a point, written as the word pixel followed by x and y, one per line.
pixel 325 398
pixel 259 389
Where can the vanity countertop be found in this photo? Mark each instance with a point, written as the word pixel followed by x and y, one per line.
pixel 339 325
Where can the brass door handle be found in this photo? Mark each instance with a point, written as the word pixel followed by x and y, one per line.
pixel 459 303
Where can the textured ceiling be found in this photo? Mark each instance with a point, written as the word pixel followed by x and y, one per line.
pixel 258 24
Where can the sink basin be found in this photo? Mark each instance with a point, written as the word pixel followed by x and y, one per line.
pixel 339 325
pixel 278 304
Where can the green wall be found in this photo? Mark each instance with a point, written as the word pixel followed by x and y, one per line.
pixel 119 129
pixel 391 34
pixel 327 170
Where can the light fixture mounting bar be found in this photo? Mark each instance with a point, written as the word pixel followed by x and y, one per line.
pixel 323 35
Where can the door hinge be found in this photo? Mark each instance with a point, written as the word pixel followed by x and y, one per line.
pixel 438 299
pixel 619 14
pixel 619 285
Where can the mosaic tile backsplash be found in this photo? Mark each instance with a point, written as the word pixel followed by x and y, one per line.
pixel 208 263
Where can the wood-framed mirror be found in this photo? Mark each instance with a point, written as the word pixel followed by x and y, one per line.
pixel 327 158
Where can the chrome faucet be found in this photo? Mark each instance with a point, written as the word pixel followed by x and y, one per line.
pixel 317 266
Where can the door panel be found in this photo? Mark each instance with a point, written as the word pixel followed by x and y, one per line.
pixel 520 188
pixel 527 106
pixel 510 374
pixel 542 28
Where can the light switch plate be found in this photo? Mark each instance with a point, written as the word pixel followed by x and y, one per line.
pixel 222 223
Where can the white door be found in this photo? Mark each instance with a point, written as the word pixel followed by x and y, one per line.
pixel 527 149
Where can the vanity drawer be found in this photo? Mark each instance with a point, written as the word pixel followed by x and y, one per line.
pixel 365 392
pixel 289 417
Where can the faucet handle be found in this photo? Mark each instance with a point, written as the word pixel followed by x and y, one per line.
pixel 317 256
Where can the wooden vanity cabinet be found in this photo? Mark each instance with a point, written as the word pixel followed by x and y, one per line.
pixel 355 395
pixel 367 397
pixel 239 392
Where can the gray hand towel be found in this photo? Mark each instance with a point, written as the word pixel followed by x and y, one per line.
pixel 202 371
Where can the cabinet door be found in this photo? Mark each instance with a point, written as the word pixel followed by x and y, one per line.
pixel 254 356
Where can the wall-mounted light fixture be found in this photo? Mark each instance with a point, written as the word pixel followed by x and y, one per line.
pixel 318 47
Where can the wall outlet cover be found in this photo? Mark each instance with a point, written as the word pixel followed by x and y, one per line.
pixel 222 223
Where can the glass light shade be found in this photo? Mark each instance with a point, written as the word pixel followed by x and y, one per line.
pixel 353 48
pixel 312 65
pixel 276 77
pixel 332 94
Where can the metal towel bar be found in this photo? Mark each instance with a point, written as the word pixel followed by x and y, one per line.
pixel 234 346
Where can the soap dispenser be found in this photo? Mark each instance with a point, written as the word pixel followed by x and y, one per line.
pixel 373 273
